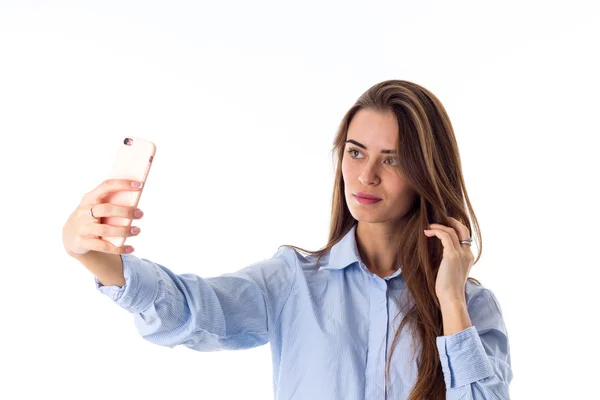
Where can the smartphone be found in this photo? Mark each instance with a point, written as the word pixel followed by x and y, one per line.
pixel 133 159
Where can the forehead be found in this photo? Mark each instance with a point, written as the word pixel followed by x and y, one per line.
pixel 375 129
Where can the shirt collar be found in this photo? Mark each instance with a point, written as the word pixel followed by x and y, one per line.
pixel 345 253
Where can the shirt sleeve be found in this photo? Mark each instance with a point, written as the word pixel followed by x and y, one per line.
pixel 476 361
pixel 227 312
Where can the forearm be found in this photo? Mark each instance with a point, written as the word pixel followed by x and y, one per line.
pixel 475 363
pixel 455 317
pixel 108 268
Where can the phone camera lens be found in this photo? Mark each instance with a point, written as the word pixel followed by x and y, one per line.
pixel 128 141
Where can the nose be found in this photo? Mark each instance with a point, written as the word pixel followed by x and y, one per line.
pixel 368 176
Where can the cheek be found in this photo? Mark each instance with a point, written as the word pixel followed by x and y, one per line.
pixel 346 172
pixel 403 193
pixel 348 179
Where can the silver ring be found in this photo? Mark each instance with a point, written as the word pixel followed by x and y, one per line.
pixel 467 241
pixel 90 212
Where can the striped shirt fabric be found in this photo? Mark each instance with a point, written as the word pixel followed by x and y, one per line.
pixel 330 328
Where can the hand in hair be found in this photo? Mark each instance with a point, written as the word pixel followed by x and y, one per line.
pixel 456 263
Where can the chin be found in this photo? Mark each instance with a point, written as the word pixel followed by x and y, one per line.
pixel 365 217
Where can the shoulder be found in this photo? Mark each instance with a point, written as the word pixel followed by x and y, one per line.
pixel 297 260
pixel 477 293
pixel 285 255
pixel 276 269
pixel 483 306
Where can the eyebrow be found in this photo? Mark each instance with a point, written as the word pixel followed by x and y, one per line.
pixel 365 147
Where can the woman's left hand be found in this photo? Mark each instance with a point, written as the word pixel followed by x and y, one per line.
pixel 456 262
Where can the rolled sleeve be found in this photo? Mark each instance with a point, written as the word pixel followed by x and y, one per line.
pixel 463 358
pixel 476 361
pixel 141 285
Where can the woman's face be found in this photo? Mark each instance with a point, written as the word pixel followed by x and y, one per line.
pixel 366 169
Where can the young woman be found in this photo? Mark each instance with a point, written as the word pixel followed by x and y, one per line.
pixel 386 310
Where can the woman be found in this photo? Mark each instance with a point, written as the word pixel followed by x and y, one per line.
pixel 336 317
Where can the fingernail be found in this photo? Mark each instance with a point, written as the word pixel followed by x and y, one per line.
pixel 138 213
pixel 135 229
pixel 136 184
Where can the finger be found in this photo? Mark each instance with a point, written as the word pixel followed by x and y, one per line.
pixel 451 232
pixel 104 246
pixel 106 187
pixel 112 210
pixel 111 231
pixel 444 237
pixel 463 231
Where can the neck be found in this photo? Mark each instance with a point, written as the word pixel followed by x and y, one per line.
pixel 377 247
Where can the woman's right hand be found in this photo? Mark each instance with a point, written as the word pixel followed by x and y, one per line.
pixel 81 233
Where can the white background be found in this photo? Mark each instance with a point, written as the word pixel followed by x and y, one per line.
pixel 243 100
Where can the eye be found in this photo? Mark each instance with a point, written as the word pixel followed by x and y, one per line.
pixel 396 163
pixel 351 150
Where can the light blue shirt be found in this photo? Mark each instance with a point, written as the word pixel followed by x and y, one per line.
pixel 330 329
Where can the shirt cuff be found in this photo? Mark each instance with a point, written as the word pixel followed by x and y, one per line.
pixel 140 288
pixel 463 358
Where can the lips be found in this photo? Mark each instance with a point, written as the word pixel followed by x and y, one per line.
pixel 363 200
pixel 367 196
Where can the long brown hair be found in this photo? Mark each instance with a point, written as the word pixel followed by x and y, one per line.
pixel 429 160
